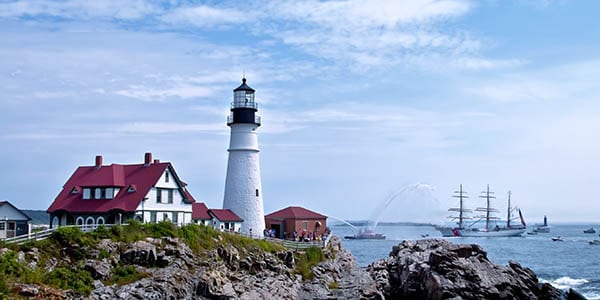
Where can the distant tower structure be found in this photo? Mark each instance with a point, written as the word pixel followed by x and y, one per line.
pixel 243 190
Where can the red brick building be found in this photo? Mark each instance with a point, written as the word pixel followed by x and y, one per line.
pixel 296 219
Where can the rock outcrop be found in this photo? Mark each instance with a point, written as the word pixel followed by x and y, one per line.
pixel 438 269
pixel 171 270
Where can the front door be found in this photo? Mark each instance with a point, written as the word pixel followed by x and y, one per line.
pixel 2 230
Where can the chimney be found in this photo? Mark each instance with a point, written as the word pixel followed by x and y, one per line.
pixel 147 158
pixel 157 161
pixel 98 161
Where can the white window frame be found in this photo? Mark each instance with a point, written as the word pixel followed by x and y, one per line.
pixel 87 193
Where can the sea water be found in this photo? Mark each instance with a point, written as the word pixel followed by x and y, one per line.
pixel 572 263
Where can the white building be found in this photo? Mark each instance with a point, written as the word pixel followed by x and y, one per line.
pixel 109 194
pixel 243 190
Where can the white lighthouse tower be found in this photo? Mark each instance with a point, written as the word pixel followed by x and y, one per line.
pixel 243 190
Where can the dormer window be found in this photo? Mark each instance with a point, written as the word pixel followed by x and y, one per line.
pixel 87 193
pixel 131 189
pixel 75 190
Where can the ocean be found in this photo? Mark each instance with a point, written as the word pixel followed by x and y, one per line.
pixel 572 263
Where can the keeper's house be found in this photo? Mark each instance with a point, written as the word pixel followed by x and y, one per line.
pixel 110 194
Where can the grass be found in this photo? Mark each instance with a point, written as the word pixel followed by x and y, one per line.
pixel 307 259
pixel 72 242
pixel 122 275
pixel 333 285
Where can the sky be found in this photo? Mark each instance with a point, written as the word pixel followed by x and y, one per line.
pixel 370 109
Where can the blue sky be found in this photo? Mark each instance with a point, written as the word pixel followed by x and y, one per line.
pixel 358 98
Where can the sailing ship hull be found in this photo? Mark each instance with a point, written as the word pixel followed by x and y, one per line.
pixel 466 232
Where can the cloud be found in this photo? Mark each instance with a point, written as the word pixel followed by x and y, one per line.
pixel 170 128
pixel 568 82
pixel 374 33
pixel 146 93
pixel 80 9
pixel 203 16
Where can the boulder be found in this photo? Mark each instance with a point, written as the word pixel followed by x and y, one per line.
pixel 438 269
pixel 140 253
pixel 99 270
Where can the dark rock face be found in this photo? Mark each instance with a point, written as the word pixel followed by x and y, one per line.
pixel 438 269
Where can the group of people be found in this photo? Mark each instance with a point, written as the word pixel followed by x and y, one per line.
pixel 304 236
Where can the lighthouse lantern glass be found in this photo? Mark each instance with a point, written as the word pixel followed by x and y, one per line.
pixel 243 99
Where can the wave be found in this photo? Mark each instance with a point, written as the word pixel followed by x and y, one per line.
pixel 591 295
pixel 565 282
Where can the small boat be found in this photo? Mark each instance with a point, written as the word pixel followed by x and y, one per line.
pixel 595 242
pixel 544 228
pixel 366 234
pixel 424 235
pixel 590 230
pixel 557 239
pixel 532 233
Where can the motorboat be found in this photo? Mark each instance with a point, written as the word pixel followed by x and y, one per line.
pixel 595 242
pixel 557 239
pixel 544 228
pixel 590 230
pixel 366 234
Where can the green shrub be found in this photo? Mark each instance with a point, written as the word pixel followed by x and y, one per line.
pixel 75 279
pixel 102 232
pixel 124 275
pixel 70 236
pixel 3 288
pixel 9 264
pixel 130 233
pixel 161 229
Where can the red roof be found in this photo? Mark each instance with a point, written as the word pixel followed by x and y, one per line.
pixel 142 177
pixel 295 212
pixel 225 215
pixel 200 211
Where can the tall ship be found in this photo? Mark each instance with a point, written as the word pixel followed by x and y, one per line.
pixel 486 224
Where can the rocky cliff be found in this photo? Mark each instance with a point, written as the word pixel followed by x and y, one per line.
pixel 438 269
pixel 166 268
pixel 171 270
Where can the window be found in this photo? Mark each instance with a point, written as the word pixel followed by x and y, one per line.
pixel 98 193
pixel 109 193
pixel 175 217
pixel 86 193
pixel 131 189
pixel 167 176
pixel 256 192
pixel 158 195
pixel 170 196
pixel 2 226
pixel 75 191
pixel 153 216
pixel 165 217
pixel 305 225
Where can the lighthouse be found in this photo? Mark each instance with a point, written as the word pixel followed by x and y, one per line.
pixel 243 190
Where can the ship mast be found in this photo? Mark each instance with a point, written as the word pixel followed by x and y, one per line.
pixel 461 195
pixel 488 209
pixel 508 215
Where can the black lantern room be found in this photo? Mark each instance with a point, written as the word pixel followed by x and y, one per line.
pixel 243 107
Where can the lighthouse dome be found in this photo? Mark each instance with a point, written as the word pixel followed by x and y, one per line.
pixel 244 87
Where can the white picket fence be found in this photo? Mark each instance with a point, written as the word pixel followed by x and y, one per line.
pixel 44 234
